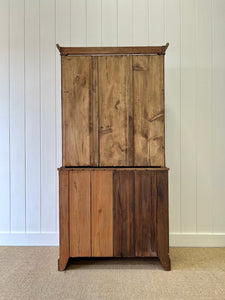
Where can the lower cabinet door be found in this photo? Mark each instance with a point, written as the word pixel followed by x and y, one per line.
pixel 102 213
pixel 79 210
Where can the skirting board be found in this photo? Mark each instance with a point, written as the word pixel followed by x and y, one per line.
pixel 52 239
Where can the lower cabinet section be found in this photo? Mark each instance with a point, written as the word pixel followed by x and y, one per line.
pixel 113 213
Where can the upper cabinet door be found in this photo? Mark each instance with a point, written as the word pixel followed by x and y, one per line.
pixel 113 110
pixel 148 93
pixel 76 110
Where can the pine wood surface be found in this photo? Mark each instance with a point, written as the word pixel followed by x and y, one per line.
pixel 101 213
pixel 113 110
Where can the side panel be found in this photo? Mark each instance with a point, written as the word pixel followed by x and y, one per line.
pixel 148 89
pixel 145 213
pixel 123 214
pixel 76 110
pixel 162 219
pixel 102 213
pixel 79 201
pixel 64 250
pixel 115 110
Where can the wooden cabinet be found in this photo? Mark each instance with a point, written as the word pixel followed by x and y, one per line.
pixel 113 185
pixel 114 213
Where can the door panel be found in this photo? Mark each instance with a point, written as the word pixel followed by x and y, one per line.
pixel 123 214
pixel 102 213
pixel 115 110
pixel 80 218
pixel 76 110
pixel 148 86
pixel 145 213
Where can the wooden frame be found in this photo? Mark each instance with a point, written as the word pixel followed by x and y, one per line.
pixel 160 50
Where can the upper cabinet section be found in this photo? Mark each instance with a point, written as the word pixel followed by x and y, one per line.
pixel 113 107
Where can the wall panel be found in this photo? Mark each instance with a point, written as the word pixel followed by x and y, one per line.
pixel 30 115
pixel 17 116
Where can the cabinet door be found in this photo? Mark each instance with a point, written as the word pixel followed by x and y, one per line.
pixel 145 213
pixel 115 110
pixel 76 110
pixel 123 214
pixel 102 213
pixel 79 206
pixel 148 93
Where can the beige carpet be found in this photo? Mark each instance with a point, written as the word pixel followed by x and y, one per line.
pixel 31 273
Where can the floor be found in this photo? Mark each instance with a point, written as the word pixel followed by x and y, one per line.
pixel 31 273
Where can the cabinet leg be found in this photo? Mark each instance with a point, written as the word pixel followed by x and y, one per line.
pixel 165 262
pixel 62 263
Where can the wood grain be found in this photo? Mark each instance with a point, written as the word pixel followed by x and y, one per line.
pixel 64 239
pixel 102 213
pixel 163 219
pixel 115 111
pixel 76 106
pixel 145 213
pixel 112 50
pixel 80 218
pixel 148 84
pixel 123 214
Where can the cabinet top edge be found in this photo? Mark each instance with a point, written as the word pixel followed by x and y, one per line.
pixel 113 169
pixel 157 50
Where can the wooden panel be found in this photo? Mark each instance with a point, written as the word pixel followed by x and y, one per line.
pixel 218 109
pixel 94 19
pixel 48 110
pixel 115 111
pixel 79 201
pixel 172 115
pixel 102 213
pixel 78 25
pixel 76 88
pixel 188 116
pixel 123 214
pixel 149 138
pixel 162 219
pixel 17 116
pixel 33 117
pixel 64 251
pixel 4 118
pixel 145 213
pixel 204 140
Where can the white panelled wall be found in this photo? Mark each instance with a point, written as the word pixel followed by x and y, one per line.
pixel 30 116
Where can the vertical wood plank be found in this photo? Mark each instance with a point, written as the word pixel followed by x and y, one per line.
pixel 78 23
pixel 63 35
pixel 145 213
pixel 94 21
pixel 188 116
pixel 4 118
pixel 102 213
pixel 94 115
pixel 125 23
pixel 156 22
pixel 17 116
pixel 64 239
pixel 32 103
pixel 76 89
pixel 204 116
pixel 109 23
pixel 172 108
pixel 149 139
pixel 79 203
pixel 162 219
pixel 140 22
pixel 48 116
pixel 218 108
pixel 123 214
pixel 115 111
